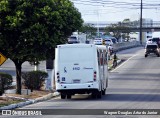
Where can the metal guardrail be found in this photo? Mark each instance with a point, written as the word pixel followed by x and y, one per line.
pixel 125 45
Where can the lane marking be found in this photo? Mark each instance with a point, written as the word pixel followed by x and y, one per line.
pixel 124 63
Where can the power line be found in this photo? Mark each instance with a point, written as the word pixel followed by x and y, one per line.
pixel 126 7
pixel 93 13
pixel 110 2
pixel 99 3
pixel 112 6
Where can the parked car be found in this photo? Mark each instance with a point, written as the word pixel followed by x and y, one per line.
pixel 108 41
pixel 98 41
pixel 152 48
pixel 73 39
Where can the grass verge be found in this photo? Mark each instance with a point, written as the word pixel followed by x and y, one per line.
pixel 6 100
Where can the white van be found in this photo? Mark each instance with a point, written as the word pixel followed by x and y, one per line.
pixel 98 41
pixel 80 69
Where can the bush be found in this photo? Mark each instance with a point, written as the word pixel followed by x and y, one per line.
pixel 5 82
pixel 34 80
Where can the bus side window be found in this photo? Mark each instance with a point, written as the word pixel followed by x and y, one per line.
pixel 104 57
pixel 101 57
pixel 98 57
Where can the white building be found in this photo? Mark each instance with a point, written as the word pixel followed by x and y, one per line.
pixel 134 36
pixel 145 35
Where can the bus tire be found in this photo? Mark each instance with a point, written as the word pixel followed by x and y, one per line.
pixel 99 95
pixel 104 92
pixel 68 96
pixel 94 95
pixel 145 55
pixel 63 96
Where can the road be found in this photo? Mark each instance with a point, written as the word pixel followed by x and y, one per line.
pixel 135 84
pixel 9 67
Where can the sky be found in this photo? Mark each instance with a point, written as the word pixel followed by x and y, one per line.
pixel 117 10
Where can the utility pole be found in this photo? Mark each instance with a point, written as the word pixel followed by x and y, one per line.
pixel 98 22
pixel 141 22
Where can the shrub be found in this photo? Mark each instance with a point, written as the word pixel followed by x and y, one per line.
pixel 5 82
pixel 34 80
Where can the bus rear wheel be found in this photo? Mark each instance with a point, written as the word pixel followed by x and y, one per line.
pixel 63 96
pixel 94 95
pixel 104 92
pixel 145 55
pixel 99 95
pixel 68 96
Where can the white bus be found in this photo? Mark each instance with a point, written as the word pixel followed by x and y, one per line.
pixel 81 69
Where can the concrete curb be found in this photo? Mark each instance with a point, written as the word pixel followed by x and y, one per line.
pixel 28 101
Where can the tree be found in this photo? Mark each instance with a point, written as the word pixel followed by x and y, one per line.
pixel 31 29
pixel 89 30
pixel 119 28
pixel 116 29
pixel 127 23
pixel 127 20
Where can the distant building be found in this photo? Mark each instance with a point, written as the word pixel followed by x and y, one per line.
pixel 156 34
pixel 145 35
pixel 134 36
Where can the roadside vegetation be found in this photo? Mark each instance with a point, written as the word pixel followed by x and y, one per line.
pixel 5 82
pixel 4 101
pixel 31 29
pixel 33 80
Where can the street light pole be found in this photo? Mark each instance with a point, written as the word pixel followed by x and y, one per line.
pixel 97 20
pixel 141 22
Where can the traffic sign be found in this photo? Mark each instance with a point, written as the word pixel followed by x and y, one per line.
pixel 2 59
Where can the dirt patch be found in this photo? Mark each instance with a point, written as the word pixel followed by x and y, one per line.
pixel 6 100
pixel 33 95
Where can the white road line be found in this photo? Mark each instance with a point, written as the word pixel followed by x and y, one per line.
pixel 123 63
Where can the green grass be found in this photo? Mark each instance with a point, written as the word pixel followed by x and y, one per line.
pixel 8 102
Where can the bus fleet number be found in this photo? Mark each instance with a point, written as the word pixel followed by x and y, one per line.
pixel 76 68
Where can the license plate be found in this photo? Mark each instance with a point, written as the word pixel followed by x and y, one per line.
pixel 76 81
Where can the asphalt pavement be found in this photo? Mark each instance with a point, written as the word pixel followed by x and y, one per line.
pixel 133 85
